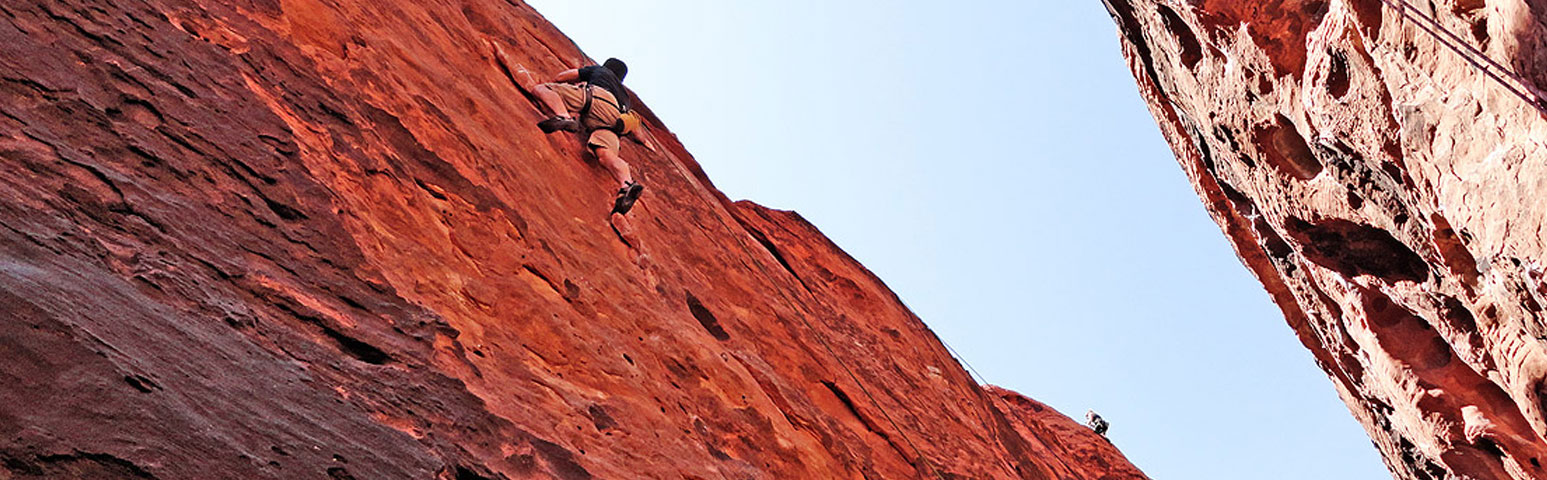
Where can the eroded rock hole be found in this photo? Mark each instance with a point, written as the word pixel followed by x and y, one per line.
pixel 360 350
pixel 1353 249
pixel 1453 251
pixel 1286 150
pixel 1394 171
pixel 1457 315
pixel 1192 50
pixel 464 473
pixel 1264 85
pixel 600 418
pixel 77 465
pixel 1403 334
pixel 141 383
pixel 1354 200
pixel 1490 447
pixel 571 291
pixel 1337 75
pixel 1530 303
pixel 1227 135
pixel 706 318
pixel 1351 366
pixel 1271 241
pixel 284 211
pixel 1240 200
pixel 1369 14
pixel 1466 7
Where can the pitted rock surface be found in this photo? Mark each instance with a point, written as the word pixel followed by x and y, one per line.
pixel 1388 187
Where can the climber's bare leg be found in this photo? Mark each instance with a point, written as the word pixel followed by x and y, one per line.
pixel 615 164
pixel 552 100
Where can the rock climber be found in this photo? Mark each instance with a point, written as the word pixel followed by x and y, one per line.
pixel 592 99
pixel 1095 422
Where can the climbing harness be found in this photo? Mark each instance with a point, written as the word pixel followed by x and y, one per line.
pixel 585 109
pixel 1520 88
pixel 627 121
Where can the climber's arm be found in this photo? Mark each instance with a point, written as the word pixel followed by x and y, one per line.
pixel 644 137
pixel 568 76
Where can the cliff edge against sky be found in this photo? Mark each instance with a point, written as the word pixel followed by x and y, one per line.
pixel 305 239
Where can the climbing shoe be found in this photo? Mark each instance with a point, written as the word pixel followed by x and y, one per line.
pixel 626 197
pixel 556 123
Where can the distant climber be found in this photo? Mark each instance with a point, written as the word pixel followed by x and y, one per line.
pixel 592 99
pixel 1095 422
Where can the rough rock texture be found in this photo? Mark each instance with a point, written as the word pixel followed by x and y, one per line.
pixel 1389 194
pixel 1079 452
pixel 298 239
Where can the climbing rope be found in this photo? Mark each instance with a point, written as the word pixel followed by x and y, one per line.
pixel 1520 88
pixel 988 403
pixel 929 467
pixel 958 356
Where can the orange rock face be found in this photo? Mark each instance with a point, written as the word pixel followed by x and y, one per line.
pixel 1078 451
pixel 299 239
pixel 1378 165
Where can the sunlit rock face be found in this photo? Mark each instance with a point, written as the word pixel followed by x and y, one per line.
pixel 296 239
pixel 1388 186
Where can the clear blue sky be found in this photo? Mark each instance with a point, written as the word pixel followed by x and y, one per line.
pixel 993 163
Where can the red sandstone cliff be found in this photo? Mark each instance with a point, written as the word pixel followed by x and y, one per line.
pixel 1387 192
pixel 302 239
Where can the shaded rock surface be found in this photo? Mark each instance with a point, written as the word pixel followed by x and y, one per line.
pixel 323 239
pixel 1385 182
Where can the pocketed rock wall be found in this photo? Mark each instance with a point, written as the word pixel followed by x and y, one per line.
pixel 303 239
pixel 1389 195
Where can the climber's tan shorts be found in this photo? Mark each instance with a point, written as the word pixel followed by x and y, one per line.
pixel 604 112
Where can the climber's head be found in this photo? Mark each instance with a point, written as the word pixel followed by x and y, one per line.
pixel 617 66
